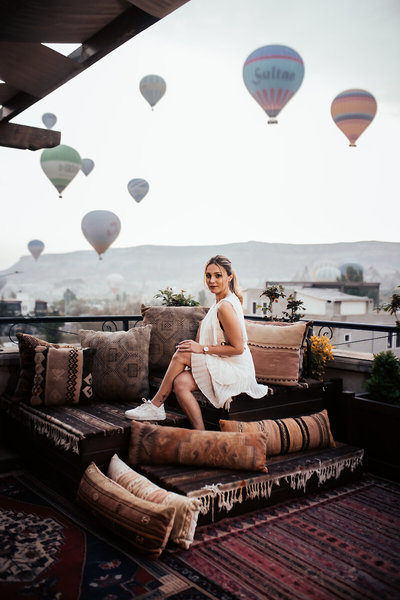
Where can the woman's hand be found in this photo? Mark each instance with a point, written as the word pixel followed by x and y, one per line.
pixel 190 346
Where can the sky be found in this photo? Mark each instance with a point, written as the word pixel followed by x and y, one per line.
pixel 218 173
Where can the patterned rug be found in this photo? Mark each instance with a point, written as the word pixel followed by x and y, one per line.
pixel 337 544
pixel 48 553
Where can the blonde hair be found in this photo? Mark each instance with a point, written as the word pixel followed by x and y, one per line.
pixel 225 263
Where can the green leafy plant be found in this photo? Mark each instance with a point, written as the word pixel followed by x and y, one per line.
pixel 383 384
pixel 291 314
pixel 170 298
pixel 292 307
pixel 321 352
pixel 393 306
pixel 273 293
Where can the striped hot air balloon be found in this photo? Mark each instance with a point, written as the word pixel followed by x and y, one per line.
pixel 353 111
pixel 138 188
pixel 272 75
pixel 60 164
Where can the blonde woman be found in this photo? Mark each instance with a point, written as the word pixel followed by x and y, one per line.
pixel 218 363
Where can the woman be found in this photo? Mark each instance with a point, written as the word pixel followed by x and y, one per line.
pixel 218 363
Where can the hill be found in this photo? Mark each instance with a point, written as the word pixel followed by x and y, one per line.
pixel 149 268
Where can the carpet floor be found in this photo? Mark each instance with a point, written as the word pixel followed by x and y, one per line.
pixel 337 544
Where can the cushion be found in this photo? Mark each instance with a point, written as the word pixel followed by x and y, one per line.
pixel 170 325
pixel 145 525
pixel 160 445
pixel 121 363
pixel 187 509
pixel 27 344
pixel 289 435
pixel 62 376
pixel 277 350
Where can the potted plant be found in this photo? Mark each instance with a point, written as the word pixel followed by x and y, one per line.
pixel 321 352
pixel 171 298
pixel 373 418
pixel 393 306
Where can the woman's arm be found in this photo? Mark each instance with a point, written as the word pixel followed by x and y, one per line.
pixel 233 333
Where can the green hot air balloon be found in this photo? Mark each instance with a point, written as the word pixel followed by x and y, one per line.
pixel 60 164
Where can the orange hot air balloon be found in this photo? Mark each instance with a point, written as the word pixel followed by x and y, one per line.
pixel 353 111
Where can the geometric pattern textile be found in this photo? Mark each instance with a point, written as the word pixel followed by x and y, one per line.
pixel 170 325
pixel 336 545
pixel 121 363
pixel 27 344
pixel 62 376
pixel 51 550
pixel 293 434
pixel 277 351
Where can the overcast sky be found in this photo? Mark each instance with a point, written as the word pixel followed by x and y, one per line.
pixel 217 172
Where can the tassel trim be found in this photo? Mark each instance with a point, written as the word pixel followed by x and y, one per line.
pixel 227 495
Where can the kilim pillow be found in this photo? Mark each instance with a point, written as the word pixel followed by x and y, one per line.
pixel 154 445
pixel 144 524
pixel 27 344
pixel 288 435
pixel 170 325
pixel 187 509
pixel 121 363
pixel 62 376
pixel 277 350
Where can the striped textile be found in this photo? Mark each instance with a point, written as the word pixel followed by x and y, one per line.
pixel 334 545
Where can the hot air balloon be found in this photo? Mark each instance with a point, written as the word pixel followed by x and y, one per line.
pixel 87 166
pixel 272 75
pixel 36 248
pixel 101 228
pixel 152 88
pixel 353 111
pixel 138 188
pixel 60 164
pixel 115 282
pixel 49 120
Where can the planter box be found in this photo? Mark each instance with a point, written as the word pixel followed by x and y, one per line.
pixel 375 427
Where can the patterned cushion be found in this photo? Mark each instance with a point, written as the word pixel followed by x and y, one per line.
pixel 27 344
pixel 144 524
pixel 120 366
pixel 289 435
pixel 187 509
pixel 170 325
pixel 154 445
pixel 277 350
pixel 62 376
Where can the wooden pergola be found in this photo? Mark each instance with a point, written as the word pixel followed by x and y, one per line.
pixel 30 70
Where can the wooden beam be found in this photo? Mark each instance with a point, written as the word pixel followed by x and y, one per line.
pixel 13 135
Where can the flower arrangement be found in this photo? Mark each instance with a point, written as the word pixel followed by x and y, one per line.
pixel 321 352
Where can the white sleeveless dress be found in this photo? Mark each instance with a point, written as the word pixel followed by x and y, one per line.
pixel 221 377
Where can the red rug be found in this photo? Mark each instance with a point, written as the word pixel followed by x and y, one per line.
pixel 338 544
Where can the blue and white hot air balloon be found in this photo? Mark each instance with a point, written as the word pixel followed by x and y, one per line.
pixel 138 188
pixel 36 248
pixel 272 75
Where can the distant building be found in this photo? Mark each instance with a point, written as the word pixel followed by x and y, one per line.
pixel 22 306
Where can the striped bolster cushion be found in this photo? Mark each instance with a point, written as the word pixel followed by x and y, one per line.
pixel 288 435
pixel 144 524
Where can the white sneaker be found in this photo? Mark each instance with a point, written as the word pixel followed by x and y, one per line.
pixel 146 412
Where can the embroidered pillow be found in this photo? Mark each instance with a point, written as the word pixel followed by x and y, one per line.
pixel 187 509
pixel 27 344
pixel 144 524
pixel 121 363
pixel 170 325
pixel 62 376
pixel 288 435
pixel 154 445
pixel 277 350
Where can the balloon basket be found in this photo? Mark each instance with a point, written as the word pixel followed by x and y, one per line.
pixel 353 145
pixel 273 122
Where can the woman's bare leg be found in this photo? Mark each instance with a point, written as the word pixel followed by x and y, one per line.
pixel 179 361
pixel 184 385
